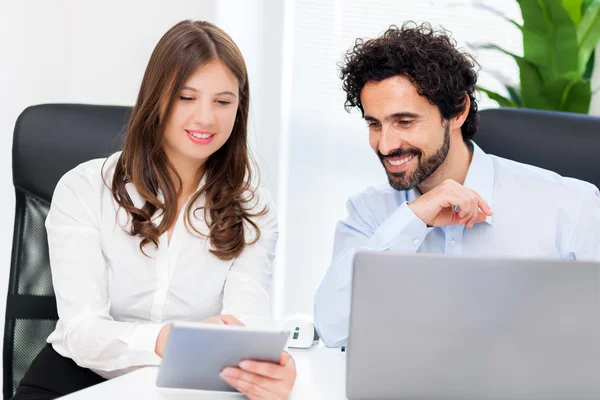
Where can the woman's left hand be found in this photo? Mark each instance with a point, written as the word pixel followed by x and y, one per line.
pixel 263 380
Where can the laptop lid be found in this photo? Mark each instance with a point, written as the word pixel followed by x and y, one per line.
pixel 443 327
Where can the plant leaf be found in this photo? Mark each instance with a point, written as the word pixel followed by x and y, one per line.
pixel 589 70
pixel 588 33
pixel 578 98
pixel 559 40
pixel 550 38
pixel 532 86
pixel 587 4
pixel 513 91
pixel 573 8
pixel 491 46
pixel 482 6
pixel 566 95
pixel 498 98
pixel 530 77
pixel 514 95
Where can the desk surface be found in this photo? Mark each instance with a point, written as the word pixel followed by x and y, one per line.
pixel 321 375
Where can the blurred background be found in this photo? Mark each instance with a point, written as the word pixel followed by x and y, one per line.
pixel 312 154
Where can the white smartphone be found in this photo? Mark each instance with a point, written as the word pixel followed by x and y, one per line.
pixel 196 353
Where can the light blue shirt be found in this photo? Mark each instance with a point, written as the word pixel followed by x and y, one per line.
pixel 537 214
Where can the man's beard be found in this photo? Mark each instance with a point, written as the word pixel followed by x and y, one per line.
pixel 424 169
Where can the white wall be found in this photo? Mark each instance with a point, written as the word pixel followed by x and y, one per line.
pixel 75 52
pixel 255 26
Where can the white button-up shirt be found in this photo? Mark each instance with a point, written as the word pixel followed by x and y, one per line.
pixel 537 214
pixel 113 300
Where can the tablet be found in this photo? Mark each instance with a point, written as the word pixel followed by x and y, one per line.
pixel 196 353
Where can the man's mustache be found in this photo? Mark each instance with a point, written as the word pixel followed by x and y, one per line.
pixel 398 153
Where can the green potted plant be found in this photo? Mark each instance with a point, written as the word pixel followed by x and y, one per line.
pixel 559 38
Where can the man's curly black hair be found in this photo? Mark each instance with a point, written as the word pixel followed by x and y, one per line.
pixel 428 58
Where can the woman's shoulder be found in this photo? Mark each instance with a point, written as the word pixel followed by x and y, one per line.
pixel 262 211
pixel 89 176
pixel 258 198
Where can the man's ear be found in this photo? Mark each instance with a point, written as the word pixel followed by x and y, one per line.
pixel 458 121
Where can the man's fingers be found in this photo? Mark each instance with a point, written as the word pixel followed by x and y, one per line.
pixel 485 207
pixel 469 203
pixel 463 213
pixel 481 217
pixel 477 206
pixel 475 209
pixel 453 200
pixel 460 205
pixel 475 215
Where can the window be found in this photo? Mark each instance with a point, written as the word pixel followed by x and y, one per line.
pixel 325 150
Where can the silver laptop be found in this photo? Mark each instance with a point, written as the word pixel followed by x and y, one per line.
pixel 442 327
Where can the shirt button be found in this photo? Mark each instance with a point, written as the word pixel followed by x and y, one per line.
pixel 453 243
pixel 416 241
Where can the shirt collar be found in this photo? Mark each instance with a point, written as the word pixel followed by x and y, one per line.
pixel 480 177
pixel 138 201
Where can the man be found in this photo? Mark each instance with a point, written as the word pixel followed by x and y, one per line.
pixel 416 93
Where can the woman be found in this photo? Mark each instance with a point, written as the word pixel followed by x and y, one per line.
pixel 168 229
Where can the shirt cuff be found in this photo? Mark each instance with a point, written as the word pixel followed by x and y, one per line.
pixel 143 343
pixel 402 230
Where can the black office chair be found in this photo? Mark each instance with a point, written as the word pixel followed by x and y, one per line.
pixel 48 141
pixel 565 143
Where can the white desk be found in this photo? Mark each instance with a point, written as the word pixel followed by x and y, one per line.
pixel 321 375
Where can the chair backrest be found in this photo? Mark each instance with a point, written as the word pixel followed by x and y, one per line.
pixel 48 141
pixel 565 143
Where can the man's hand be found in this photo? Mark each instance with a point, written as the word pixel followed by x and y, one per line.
pixel 439 206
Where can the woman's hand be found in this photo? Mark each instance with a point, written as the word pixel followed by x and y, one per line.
pixel 222 320
pixel 263 380
pixel 161 340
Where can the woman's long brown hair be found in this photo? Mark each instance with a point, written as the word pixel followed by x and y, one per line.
pixel 143 162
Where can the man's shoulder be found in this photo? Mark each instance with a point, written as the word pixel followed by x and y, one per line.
pixel 378 197
pixel 536 180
